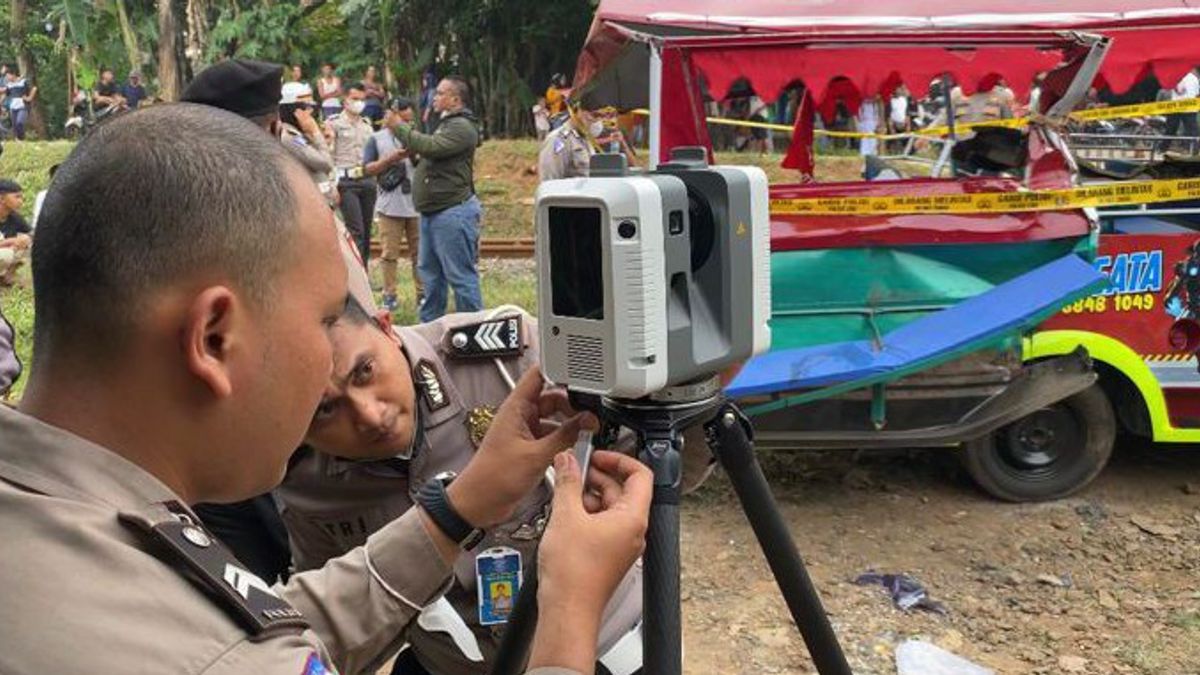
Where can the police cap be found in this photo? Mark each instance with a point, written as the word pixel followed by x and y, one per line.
pixel 248 88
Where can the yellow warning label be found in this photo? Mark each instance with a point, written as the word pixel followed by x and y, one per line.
pixel 1107 194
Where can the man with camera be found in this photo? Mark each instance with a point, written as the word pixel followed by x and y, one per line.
pixel 181 343
pixel 386 158
pixel 444 193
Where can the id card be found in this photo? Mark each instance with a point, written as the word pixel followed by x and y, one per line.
pixel 498 580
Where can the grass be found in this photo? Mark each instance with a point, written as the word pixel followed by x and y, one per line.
pixel 28 163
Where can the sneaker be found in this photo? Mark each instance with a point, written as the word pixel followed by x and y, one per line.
pixel 390 303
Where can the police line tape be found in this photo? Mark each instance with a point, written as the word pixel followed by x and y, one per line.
pixel 1107 194
pixel 1092 115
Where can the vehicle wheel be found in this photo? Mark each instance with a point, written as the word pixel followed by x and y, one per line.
pixel 1047 455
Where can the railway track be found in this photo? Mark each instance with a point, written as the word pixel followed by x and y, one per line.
pixel 490 247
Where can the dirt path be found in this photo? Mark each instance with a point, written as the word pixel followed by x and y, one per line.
pixel 1105 582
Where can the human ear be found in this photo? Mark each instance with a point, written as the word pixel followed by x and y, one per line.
pixel 208 338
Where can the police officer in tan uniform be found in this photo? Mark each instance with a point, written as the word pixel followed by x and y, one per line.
pixel 568 149
pixel 176 362
pixel 253 89
pixel 406 404
pixel 348 132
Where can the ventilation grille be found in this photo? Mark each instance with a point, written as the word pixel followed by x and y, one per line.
pixel 585 359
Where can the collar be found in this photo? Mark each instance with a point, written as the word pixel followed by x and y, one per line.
pixel 54 461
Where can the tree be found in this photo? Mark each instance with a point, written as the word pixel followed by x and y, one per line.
pixel 169 77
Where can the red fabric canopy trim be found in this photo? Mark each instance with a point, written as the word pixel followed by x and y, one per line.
pixel 873 71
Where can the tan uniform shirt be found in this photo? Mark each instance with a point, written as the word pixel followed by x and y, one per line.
pixel 349 138
pixel 332 505
pixel 87 590
pixel 314 154
pixel 565 154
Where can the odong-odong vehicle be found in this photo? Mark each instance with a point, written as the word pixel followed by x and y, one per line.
pixel 915 329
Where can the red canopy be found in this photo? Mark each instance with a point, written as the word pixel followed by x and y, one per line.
pixel 1151 36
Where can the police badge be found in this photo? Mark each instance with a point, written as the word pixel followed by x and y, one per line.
pixel 478 421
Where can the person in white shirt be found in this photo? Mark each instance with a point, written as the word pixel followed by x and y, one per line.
pixel 898 116
pixel 1184 125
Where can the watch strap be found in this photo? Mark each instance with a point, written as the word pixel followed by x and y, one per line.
pixel 432 497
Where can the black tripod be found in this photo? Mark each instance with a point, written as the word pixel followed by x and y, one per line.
pixel 659 425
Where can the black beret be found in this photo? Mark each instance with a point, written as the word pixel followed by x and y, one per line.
pixel 248 88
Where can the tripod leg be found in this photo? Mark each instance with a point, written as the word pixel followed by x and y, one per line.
pixel 730 442
pixel 518 633
pixel 663 634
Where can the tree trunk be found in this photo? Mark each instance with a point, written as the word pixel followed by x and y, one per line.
pixel 197 40
pixel 169 86
pixel 27 66
pixel 129 37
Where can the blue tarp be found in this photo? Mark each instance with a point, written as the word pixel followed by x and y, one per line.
pixel 1011 307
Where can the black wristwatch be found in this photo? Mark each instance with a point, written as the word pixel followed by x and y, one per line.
pixel 432 498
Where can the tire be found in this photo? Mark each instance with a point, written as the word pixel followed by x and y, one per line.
pixel 1047 455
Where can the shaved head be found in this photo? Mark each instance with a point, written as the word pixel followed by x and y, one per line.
pixel 151 200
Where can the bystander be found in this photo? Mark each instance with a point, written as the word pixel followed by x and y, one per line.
pixel 20 94
pixel 444 193
pixel 1184 124
pixel 376 95
pixel 133 91
pixel 15 243
pixel 107 96
pixel 329 91
pixel 10 365
pixel 386 158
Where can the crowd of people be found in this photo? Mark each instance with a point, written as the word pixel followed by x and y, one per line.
pixel 206 328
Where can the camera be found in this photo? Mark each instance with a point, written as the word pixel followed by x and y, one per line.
pixel 652 280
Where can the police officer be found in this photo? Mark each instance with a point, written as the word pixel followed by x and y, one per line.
pixel 406 404
pixel 567 150
pixel 252 528
pixel 176 362
pixel 348 132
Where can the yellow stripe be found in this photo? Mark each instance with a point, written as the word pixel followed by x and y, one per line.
pixel 1095 114
pixel 1117 354
pixel 1107 194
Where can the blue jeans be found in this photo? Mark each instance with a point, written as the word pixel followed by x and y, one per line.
pixel 449 245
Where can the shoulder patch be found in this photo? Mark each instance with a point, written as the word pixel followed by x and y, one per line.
pixel 431 385
pixel 486 339
pixel 212 567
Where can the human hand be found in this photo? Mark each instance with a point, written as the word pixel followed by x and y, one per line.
pixel 22 242
pixel 397 156
pixel 305 122
pixel 592 541
pixel 514 454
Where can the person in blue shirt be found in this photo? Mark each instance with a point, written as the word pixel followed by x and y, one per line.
pixel 133 91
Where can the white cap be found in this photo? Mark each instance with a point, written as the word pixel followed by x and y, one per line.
pixel 292 92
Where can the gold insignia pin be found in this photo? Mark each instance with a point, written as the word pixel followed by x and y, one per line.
pixel 478 421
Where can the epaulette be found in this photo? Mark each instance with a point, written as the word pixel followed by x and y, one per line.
pixel 486 339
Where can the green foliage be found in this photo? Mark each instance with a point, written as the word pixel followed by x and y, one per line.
pixel 259 32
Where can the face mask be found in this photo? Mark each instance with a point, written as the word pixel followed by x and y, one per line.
pixel 356 107
pixel 596 128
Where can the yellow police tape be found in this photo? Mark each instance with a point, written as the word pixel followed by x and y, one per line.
pixel 1107 194
pixel 1092 115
